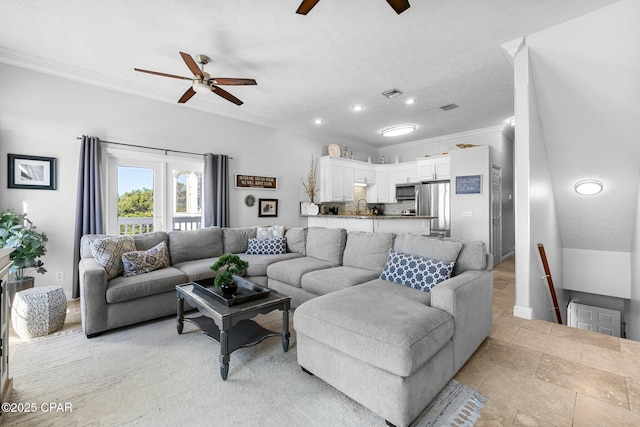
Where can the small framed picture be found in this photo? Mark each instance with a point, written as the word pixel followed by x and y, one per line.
pixel 470 184
pixel 267 207
pixel 31 172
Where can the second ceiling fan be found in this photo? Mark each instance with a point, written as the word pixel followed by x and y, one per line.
pixel 398 5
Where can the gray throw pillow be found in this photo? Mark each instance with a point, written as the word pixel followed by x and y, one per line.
pixel 140 262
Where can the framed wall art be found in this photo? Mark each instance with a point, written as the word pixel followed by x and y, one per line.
pixel 268 207
pixel 31 172
pixel 470 184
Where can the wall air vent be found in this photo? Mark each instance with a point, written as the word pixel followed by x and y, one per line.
pixel 448 107
pixel 392 93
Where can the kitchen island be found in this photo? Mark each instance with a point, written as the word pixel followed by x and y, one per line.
pixel 382 223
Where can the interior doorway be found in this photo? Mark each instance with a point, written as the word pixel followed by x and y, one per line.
pixel 496 214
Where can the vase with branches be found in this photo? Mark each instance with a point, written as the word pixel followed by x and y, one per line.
pixel 311 182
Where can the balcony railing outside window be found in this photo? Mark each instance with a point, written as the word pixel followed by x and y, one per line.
pixel 137 225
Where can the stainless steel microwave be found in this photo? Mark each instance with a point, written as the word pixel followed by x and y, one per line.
pixel 405 192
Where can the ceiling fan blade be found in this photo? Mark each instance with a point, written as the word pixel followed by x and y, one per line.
pixel 163 74
pixel 192 64
pixel 399 5
pixel 187 95
pixel 233 81
pixel 226 95
pixel 306 6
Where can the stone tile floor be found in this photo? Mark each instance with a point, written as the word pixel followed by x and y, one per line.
pixel 535 372
pixel 540 373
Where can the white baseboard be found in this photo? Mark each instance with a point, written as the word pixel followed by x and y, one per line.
pixel 523 312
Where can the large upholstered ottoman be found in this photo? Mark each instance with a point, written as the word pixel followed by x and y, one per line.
pixel 379 343
pixel 38 311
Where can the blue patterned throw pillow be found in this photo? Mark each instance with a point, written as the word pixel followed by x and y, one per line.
pixel 415 271
pixel 271 246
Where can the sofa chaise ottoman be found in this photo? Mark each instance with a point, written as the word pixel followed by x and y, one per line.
pixel 390 347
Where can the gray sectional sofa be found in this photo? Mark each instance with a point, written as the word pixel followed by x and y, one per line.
pixel 388 346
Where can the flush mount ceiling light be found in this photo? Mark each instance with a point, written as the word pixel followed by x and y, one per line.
pixel 410 101
pixel 588 187
pixel 398 130
pixel 512 121
pixel 357 108
pixel 318 121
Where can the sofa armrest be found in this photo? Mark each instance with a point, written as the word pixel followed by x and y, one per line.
pixel 468 297
pixel 93 296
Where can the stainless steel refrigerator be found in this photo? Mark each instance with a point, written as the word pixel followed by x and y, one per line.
pixel 433 198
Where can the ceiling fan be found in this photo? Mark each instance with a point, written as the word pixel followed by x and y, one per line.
pixel 202 81
pixel 398 5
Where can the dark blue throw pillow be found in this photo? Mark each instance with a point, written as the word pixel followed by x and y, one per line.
pixel 272 246
pixel 415 271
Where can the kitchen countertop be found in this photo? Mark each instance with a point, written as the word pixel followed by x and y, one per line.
pixel 377 216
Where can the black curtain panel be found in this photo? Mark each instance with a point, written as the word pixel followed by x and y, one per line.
pixel 89 219
pixel 216 190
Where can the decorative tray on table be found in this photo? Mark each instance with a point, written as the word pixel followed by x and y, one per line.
pixel 247 291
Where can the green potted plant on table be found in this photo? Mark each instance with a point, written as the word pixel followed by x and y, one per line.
pixel 225 280
pixel 18 232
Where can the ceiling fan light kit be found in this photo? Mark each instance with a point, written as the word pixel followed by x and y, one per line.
pixel 398 5
pixel 202 82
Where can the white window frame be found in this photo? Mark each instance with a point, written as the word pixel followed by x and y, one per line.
pixel 163 166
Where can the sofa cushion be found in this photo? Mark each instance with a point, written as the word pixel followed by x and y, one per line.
pixel 473 255
pixel 367 250
pixel 378 323
pixel 415 271
pixel 195 244
pixel 146 241
pixel 197 269
pixel 258 263
pixel 296 240
pixel 292 270
pixel 326 244
pixel 140 262
pixel 270 232
pixel 429 247
pixel 108 252
pixel 270 246
pixel 155 282
pixel 235 239
pixel 322 282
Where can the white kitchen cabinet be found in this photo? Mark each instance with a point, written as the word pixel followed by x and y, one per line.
pixel 364 174
pixel 435 168
pixel 383 191
pixel 336 179
pixel 401 225
pixel 405 173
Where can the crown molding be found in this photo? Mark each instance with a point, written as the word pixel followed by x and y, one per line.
pixel 512 48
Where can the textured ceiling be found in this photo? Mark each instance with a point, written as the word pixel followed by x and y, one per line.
pixel 316 66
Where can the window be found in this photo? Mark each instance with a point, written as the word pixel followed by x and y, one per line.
pixel 149 192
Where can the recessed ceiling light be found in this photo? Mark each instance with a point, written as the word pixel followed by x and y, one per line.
pixel 588 187
pixel 318 121
pixel 398 130
pixel 357 108
pixel 410 101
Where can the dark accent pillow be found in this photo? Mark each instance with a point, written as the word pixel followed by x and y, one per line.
pixel 272 246
pixel 415 271
pixel 139 262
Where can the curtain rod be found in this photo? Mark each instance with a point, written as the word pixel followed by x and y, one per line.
pixel 166 150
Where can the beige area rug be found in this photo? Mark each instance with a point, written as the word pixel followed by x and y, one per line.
pixel 150 375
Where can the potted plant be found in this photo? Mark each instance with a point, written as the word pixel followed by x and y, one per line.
pixel 18 232
pixel 225 280
pixel 310 186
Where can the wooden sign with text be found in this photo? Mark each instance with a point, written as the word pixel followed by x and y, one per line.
pixel 251 181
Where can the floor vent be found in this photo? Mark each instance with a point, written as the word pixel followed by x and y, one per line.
pixel 448 107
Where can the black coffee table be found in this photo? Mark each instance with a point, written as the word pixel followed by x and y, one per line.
pixel 231 326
